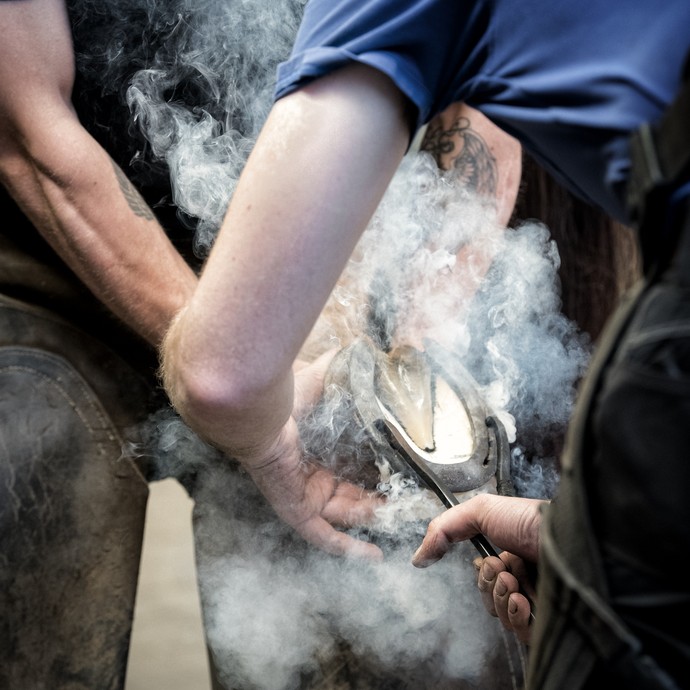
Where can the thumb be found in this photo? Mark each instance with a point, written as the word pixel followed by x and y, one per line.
pixel 309 380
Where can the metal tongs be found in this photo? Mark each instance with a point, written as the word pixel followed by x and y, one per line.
pixel 395 393
pixel 398 439
pixel 391 428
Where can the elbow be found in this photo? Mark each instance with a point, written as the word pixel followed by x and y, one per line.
pixel 199 394
pixel 26 141
pixel 216 400
pixel 190 389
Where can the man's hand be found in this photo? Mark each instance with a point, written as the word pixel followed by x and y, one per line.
pixel 502 582
pixel 309 378
pixel 311 499
pixel 509 523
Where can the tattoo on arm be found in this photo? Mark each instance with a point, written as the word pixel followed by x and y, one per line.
pixel 134 200
pixel 463 151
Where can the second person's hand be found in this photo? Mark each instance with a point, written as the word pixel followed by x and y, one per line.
pixel 511 524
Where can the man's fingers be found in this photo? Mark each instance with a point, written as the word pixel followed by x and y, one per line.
pixel 489 568
pixel 453 525
pixel 499 580
pixel 321 534
pixel 436 542
pixel 509 523
pixel 519 610
pixel 351 506
pixel 505 584
pixel 312 502
pixel 500 594
pixel 519 568
pixel 429 552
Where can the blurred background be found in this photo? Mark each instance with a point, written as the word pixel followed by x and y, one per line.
pixel 168 649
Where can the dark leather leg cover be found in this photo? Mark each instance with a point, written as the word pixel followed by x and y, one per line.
pixel 71 523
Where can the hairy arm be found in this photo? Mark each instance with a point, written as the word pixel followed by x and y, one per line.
pixel 78 199
pixel 317 172
pixel 320 167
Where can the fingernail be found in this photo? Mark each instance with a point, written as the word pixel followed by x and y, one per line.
pixel 512 606
pixel 500 588
pixel 418 561
pixel 488 573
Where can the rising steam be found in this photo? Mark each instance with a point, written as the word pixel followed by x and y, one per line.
pixel 197 78
pixel 280 615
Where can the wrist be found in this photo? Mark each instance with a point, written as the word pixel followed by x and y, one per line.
pixel 260 457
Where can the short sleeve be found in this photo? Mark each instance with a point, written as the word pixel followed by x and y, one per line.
pixel 408 40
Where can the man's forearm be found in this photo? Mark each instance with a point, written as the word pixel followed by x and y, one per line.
pixel 88 211
pixel 484 163
pixel 301 204
pixel 67 184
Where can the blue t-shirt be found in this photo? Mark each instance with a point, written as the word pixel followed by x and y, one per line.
pixel 569 79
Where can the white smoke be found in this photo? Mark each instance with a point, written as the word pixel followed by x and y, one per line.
pixel 280 615
pixel 229 52
pixel 496 308
pixel 198 78
pixel 432 265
